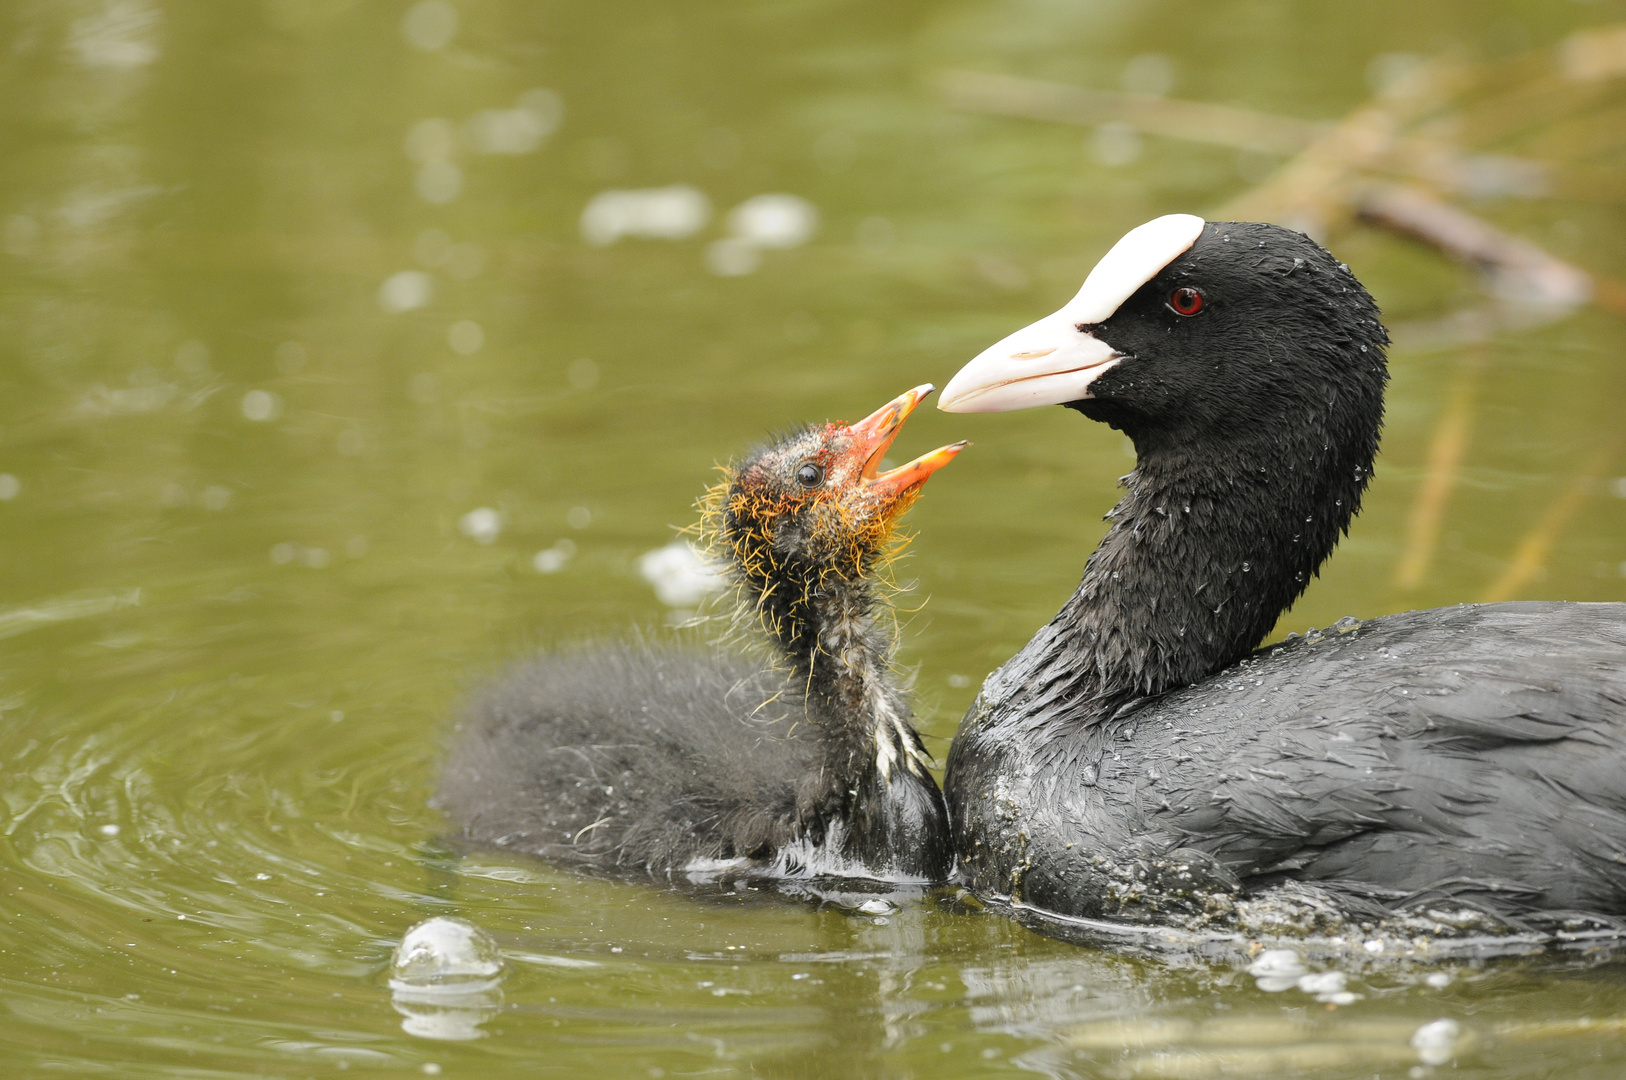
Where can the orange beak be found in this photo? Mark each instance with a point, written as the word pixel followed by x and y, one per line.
pixel 874 435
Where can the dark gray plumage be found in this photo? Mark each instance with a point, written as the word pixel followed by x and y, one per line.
pixel 1134 761
pixel 795 759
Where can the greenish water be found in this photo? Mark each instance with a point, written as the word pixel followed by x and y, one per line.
pixel 240 601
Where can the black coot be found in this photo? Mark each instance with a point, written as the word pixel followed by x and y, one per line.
pixel 1134 761
pixel 799 760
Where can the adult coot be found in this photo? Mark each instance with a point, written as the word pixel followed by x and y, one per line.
pixel 1136 760
pixel 798 760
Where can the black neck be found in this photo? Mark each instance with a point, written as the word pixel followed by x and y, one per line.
pixel 1204 553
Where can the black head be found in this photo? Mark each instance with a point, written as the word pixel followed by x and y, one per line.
pixel 1252 332
pixel 810 512
pixel 1200 335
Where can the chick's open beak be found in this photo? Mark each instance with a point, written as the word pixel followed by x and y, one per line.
pixel 873 436
pixel 894 483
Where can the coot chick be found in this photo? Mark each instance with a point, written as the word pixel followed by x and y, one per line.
pixel 797 759
pixel 1134 761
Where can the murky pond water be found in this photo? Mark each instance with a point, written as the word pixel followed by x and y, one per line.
pixel 331 382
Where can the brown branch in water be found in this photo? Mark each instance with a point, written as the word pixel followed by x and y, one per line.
pixel 1521 271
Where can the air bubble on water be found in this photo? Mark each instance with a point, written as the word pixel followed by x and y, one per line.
pixel 1439 980
pixel 877 906
pixel 445 979
pixel 1437 1042
pixel 447 955
pixel 482 525
pixel 109 830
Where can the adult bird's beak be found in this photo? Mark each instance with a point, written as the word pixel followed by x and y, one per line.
pixel 1049 362
pixel 874 435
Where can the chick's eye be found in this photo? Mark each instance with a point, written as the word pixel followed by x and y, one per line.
pixel 810 475
pixel 1186 301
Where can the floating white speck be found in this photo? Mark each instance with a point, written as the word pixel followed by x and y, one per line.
pixel 1115 145
pixel 875 234
pixel 108 830
pixel 1277 969
pixel 434 139
pixel 261 405
pixel 465 337
pixel 774 221
pixel 1151 74
pixel 579 517
pixel 519 130
pixel 732 257
pixel 121 36
pixel 667 213
pixel 429 25
pixel 10 487
pixel 438 182
pixel 1436 1043
pixel 290 357
pixel 482 525
pixel 192 357
pixel 406 291
pixel 1619 487
pixel 682 577
pixel 466 260
pixel 552 560
pixel 582 373
pixel 1439 980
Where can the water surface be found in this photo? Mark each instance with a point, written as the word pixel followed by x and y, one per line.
pixel 290 290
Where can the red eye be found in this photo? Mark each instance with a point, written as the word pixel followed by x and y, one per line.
pixel 1186 301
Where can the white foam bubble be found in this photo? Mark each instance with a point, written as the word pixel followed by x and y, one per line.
pixel 680 575
pixel 667 213
pixel 405 291
pixel 482 525
pixel 429 25
pixel 774 221
pixel 261 405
